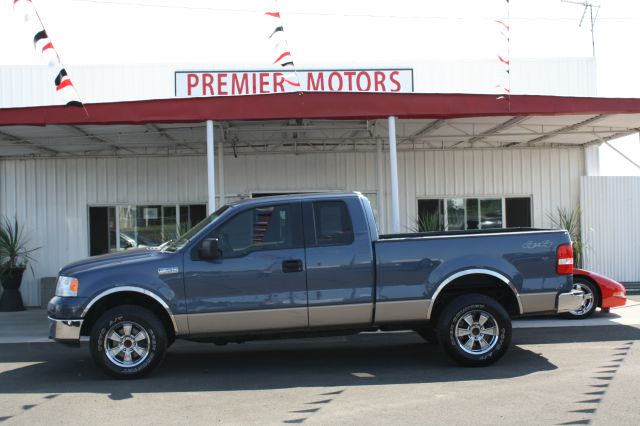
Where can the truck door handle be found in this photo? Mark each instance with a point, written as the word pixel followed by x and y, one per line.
pixel 292 265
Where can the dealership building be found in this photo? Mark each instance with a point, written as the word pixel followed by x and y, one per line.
pixel 156 147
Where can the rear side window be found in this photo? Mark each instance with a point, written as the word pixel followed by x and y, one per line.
pixel 332 223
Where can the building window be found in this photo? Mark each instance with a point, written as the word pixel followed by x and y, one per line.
pixel 473 213
pixel 115 228
pixel 518 212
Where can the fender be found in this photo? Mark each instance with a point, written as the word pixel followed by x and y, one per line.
pixel 134 290
pixel 457 275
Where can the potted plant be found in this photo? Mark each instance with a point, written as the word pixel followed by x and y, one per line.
pixel 14 258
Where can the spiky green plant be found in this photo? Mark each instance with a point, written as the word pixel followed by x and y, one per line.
pixel 569 220
pixel 14 253
pixel 428 222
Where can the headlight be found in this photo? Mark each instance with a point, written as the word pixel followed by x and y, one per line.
pixel 67 287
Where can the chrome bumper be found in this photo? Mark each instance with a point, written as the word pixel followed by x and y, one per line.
pixel 65 331
pixel 570 301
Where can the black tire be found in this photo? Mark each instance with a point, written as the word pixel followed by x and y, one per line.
pixel 428 334
pixel 133 356
pixel 590 304
pixel 487 317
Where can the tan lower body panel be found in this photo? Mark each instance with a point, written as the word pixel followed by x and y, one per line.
pixel 538 302
pixel 320 316
pixel 182 324
pixel 402 310
pixel 258 320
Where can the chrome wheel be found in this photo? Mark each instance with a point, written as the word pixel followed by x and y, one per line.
pixel 126 344
pixel 587 301
pixel 477 332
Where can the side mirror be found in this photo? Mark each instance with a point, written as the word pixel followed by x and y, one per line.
pixel 209 249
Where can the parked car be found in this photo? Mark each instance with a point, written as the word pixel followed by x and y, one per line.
pixel 599 292
pixel 310 265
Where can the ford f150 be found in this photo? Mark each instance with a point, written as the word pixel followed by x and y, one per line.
pixel 306 265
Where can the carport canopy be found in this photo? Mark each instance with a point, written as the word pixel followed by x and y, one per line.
pixel 314 122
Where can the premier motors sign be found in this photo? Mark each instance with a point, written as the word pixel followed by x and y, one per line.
pixel 240 83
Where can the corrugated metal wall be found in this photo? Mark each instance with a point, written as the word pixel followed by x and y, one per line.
pixel 51 195
pixel 610 225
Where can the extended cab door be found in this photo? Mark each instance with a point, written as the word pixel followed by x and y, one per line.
pixel 259 283
pixel 340 269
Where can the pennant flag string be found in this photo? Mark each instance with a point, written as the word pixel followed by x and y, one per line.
pixel 26 10
pixel 282 52
pixel 505 60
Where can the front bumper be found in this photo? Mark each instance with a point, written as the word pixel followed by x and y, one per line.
pixel 65 331
pixel 570 301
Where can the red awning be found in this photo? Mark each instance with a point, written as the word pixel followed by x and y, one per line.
pixel 316 105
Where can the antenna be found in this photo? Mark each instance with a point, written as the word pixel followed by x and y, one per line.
pixel 593 18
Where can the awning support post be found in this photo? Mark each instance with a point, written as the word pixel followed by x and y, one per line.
pixel 211 170
pixel 393 165
pixel 382 218
pixel 221 171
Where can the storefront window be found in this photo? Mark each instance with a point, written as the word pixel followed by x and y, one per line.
pixel 455 214
pixel 473 213
pixel 115 228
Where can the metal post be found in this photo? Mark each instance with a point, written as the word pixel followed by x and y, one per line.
pixel 211 170
pixel 592 160
pixel 393 165
pixel 382 218
pixel 221 171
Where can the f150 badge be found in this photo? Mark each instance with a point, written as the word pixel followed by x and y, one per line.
pixel 166 271
pixel 537 244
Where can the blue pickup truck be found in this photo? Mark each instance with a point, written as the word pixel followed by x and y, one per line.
pixel 306 265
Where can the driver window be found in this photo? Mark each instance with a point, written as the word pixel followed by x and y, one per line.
pixel 260 228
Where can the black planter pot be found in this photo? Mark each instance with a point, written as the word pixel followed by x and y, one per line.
pixel 11 299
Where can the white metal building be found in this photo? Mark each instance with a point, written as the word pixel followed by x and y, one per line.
pixel 135 173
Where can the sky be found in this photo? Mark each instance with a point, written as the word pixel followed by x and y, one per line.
pixel 341 33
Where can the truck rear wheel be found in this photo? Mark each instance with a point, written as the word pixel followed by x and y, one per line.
pixel 474 330
pixel 128 342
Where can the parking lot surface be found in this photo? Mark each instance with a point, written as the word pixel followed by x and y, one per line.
pixel 570 374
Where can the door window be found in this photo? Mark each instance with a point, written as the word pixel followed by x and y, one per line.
pixel 261 228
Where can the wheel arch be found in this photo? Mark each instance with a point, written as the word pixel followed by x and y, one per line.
pixel 126 295
pixel 483 281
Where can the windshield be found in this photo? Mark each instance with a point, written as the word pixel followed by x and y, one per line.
pixel 183 240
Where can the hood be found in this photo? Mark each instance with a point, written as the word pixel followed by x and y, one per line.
pixel 111 259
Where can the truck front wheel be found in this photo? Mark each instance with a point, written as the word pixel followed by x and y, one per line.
pixel 128 342
pixel 474 330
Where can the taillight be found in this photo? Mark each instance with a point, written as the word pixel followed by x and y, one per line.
pixel 565 259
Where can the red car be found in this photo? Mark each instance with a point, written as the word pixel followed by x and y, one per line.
pixel 600 292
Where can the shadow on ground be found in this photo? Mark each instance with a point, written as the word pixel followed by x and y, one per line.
pixel 366 359
pixel 354 361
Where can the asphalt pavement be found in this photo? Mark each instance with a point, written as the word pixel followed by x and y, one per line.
pixel 553 374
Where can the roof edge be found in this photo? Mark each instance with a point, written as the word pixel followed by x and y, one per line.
pixel 315 105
